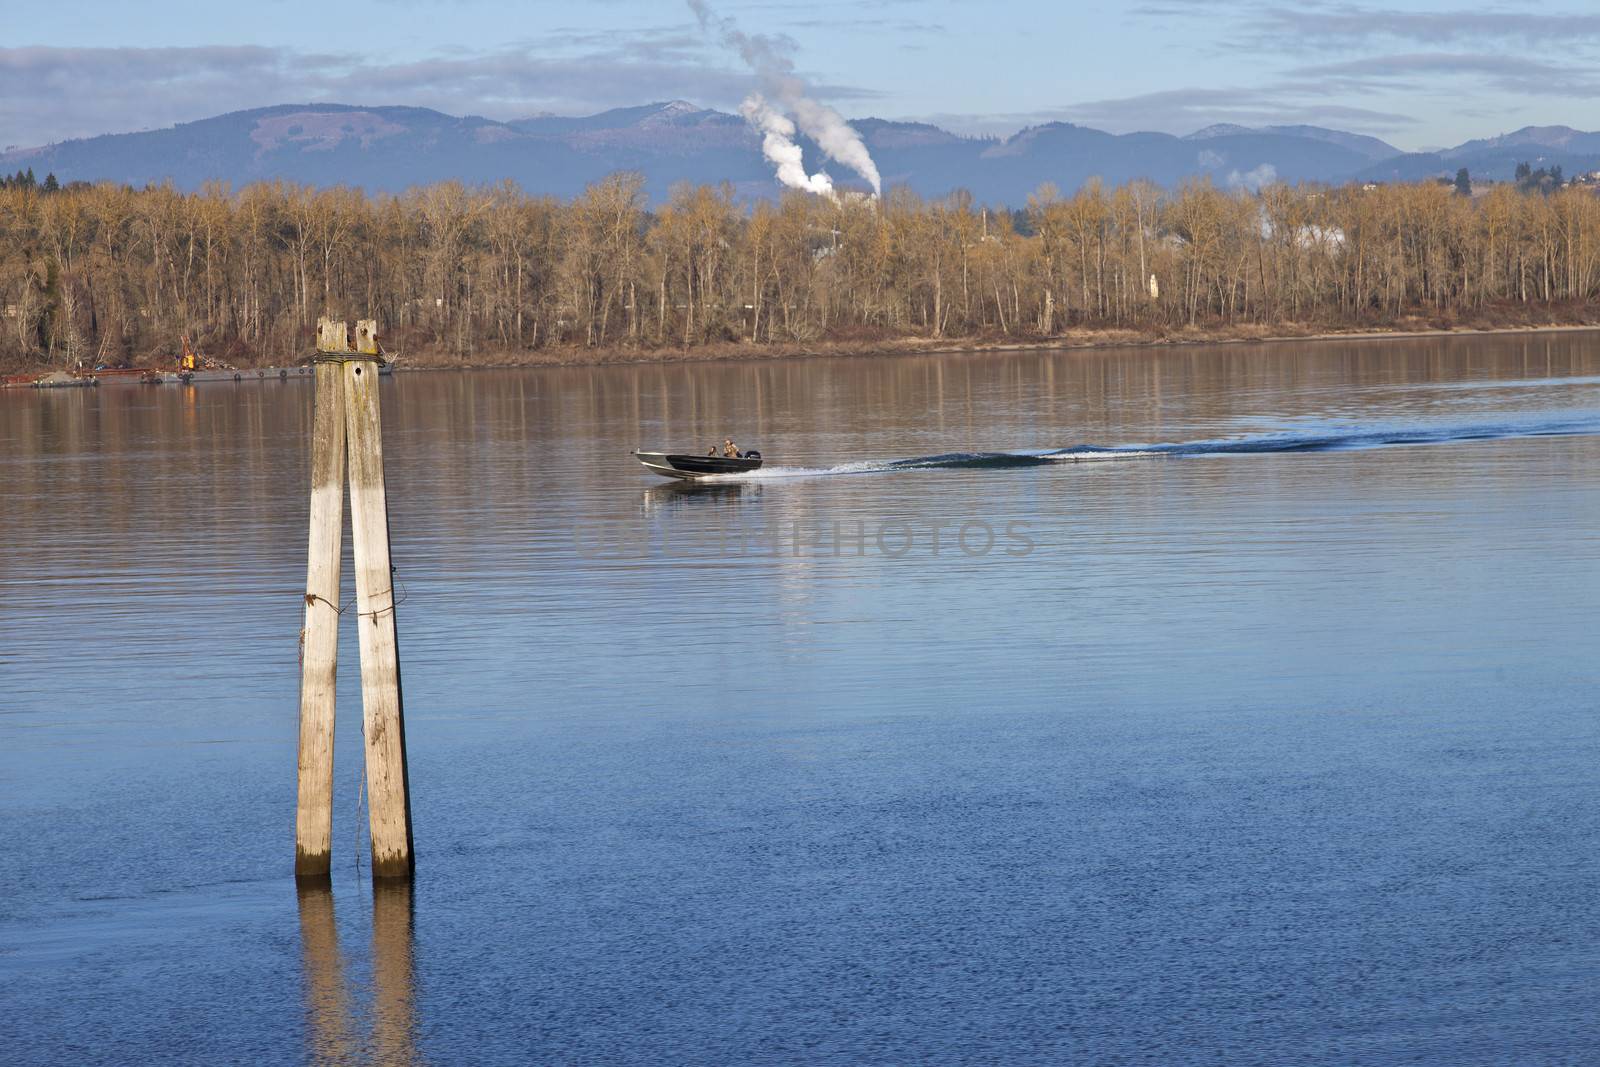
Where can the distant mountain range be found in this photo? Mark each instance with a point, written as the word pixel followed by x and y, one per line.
pixel 392 148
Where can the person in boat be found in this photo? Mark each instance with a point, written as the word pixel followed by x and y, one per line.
pixel 729 449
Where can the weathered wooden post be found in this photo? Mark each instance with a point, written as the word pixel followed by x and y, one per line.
pixel 319 639
pixel 388 786
pixel 347 425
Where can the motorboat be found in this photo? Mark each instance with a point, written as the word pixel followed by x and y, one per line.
pixel 673 465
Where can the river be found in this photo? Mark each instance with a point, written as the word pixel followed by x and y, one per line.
pixel 1222 704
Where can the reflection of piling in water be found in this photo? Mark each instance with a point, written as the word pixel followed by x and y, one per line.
pixel 394 1016
pixel 332 1032
pixel 330 1029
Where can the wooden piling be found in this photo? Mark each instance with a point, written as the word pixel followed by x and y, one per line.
pixel 347 429
pixel 388 786
pixel 319 640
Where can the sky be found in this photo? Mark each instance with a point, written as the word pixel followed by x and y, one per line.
pixel 1419 73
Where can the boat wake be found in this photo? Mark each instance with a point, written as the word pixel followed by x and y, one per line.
pixel 1324 439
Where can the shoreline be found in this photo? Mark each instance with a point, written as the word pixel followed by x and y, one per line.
pixel 1089 340
pixel 744 352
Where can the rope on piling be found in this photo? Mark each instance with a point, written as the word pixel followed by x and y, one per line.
pixel 341 609
pixel 361 792
pixel 394 578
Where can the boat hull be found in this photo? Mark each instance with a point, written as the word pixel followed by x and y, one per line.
pixel 673 465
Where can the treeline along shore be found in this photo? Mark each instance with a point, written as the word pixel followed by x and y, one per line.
pixel 105 274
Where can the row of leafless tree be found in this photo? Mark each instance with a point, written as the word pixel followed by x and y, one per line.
pixel 113 275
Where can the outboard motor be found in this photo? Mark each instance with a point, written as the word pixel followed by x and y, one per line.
pixel 752 454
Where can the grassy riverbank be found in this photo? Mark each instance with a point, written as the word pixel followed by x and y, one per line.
pixel 1513 320
pixel 1501 321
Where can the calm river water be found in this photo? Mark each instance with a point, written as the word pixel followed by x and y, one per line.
pixel 1225 705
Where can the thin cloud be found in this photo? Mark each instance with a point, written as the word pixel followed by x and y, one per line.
pixel 881 24
pixel 52 94
pixel 1512 74
pixel 1185 110
pixel 1311 27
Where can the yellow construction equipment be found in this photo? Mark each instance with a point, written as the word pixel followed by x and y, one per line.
pixel 192 360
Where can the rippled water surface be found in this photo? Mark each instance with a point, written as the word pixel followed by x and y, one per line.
pixel 1222 705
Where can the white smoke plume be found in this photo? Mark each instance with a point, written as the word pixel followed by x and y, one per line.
pixel 777 144
pixel 818 121
pixel 1253 180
